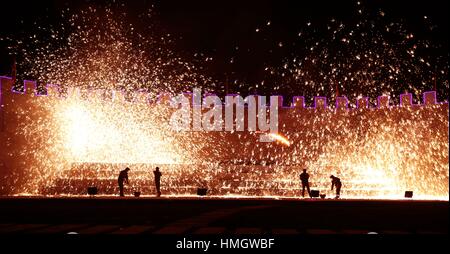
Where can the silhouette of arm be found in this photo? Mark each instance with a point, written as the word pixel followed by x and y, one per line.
pixel 332 185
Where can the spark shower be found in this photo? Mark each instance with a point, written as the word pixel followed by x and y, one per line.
pixel 111 109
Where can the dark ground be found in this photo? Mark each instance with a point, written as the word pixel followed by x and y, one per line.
pixel 100 215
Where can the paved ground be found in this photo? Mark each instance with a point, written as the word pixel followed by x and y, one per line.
pixel 99 215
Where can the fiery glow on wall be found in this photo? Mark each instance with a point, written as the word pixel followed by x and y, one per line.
pixel 377 153
pixel 112 134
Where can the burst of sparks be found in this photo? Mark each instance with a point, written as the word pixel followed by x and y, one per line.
pixel 377 153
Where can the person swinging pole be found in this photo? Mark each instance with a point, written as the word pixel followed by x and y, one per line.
pixel 123 177
pixel 335 181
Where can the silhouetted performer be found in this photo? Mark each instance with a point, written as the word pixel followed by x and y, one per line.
pixel 335 181
pixel 157 174
pixel 304 178
pixel 123 177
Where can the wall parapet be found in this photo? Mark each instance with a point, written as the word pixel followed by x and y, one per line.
pixel 33 88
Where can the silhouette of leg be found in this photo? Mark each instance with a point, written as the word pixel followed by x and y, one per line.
pixel 338 191
pixel 121 190
pixel 303 190
pixel 309 191
pixel 158 190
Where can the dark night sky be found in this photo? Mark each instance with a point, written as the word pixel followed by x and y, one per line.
pixel 216 27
